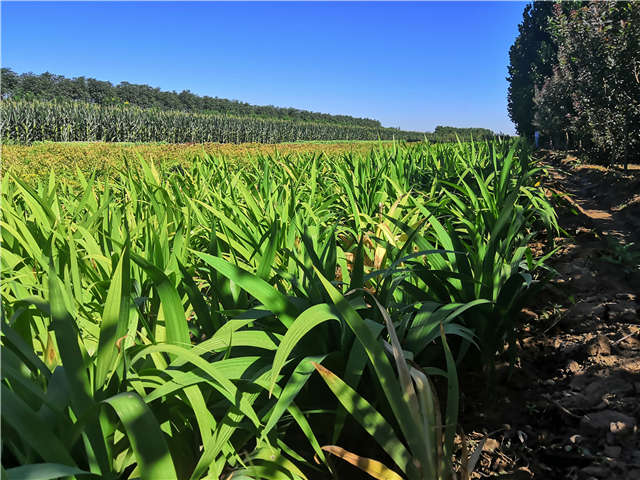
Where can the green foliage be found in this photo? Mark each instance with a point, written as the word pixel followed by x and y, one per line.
pixel 452 134
pixel 531 60
pixel 626 255
pixel 169 323
pixel 573 76
pixel 594 92
pixel 31 121
pixel 48 86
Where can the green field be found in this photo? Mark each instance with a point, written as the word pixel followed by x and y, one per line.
pixel 27 121
pixel 257 319
pixel 199 288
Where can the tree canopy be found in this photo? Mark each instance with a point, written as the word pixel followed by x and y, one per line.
pixel 575 76
pixel 532 57
pixel 48 86
pixel 594 92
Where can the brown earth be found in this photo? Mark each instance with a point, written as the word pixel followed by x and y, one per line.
pixel 570 408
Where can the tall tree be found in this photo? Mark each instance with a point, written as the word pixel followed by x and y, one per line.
pixel 595 89
pixel 532 57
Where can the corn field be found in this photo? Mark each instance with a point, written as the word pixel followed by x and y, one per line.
pixel 275 321
pixel 25 121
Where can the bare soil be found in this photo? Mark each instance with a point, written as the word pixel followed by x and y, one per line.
pixel 570 408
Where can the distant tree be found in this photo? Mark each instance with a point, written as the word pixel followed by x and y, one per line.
pixel 48 86
pixel 452 134
pixel 99 92
pixel 9 82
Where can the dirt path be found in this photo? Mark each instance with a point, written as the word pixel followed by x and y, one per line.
pixel 571 408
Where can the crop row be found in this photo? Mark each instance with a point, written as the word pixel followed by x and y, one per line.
pixel 30 121
pixel 220 322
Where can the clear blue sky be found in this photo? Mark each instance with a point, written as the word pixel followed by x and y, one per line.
pixel 409 65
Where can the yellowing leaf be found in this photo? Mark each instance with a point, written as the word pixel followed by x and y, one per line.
pixel 372 467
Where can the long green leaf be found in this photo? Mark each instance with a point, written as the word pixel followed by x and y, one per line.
pixel 146 438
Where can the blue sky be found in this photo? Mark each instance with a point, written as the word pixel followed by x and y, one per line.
pixel 409 65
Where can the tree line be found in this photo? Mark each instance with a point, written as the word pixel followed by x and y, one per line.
pixel 47 86
pixel 574 76
pixel 56 108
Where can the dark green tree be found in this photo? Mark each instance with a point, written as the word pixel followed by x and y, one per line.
pixel 9 82
pixel 595 89
pixel 48 86
pixel 531 61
